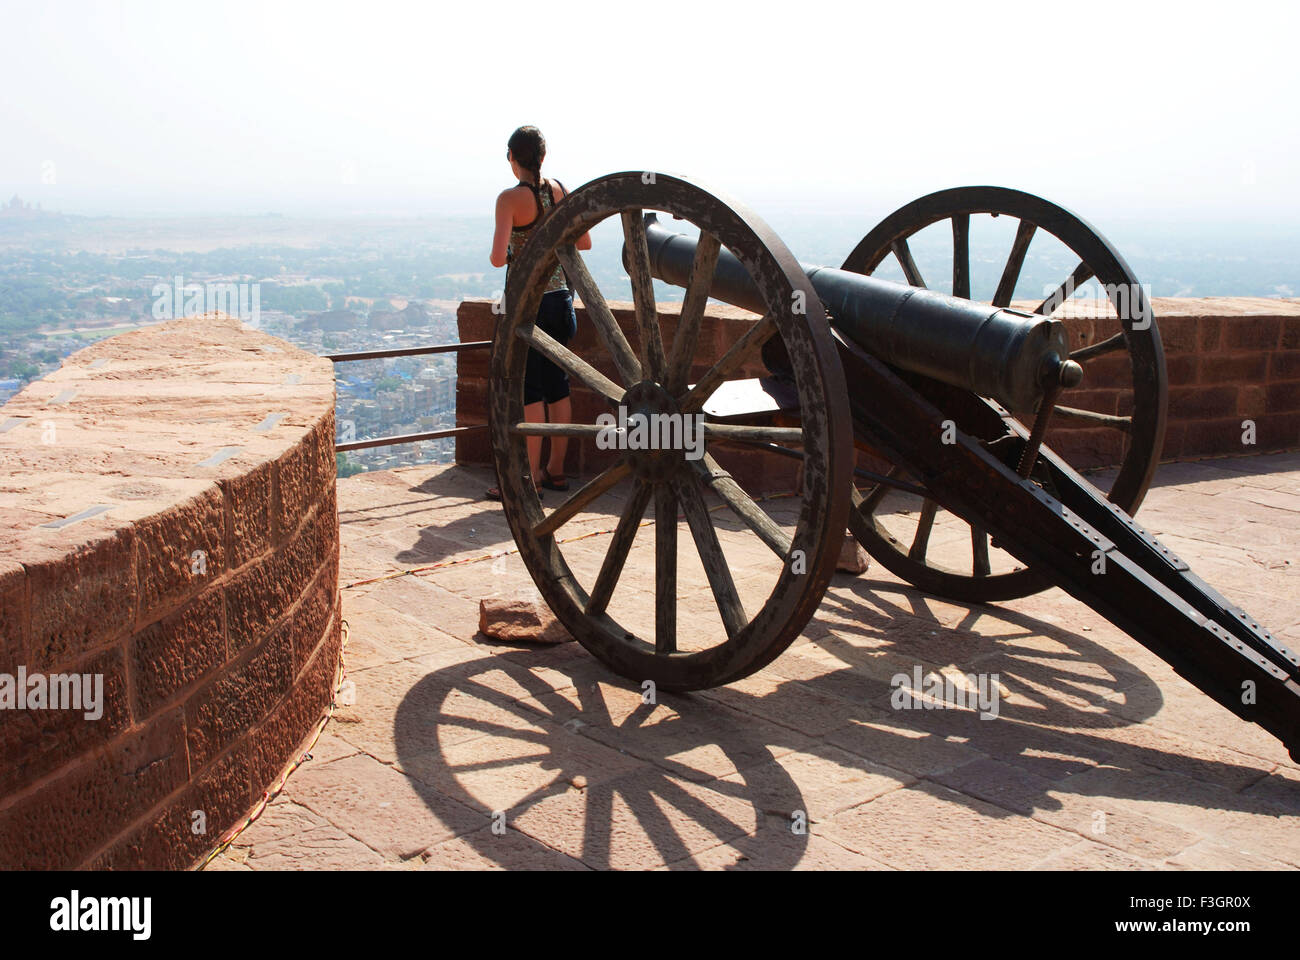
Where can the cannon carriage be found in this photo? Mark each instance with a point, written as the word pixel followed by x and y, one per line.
pixel 882 390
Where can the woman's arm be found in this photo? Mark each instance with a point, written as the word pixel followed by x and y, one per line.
pixel 501 239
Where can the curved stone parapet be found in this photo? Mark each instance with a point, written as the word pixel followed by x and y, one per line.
pixel 169 578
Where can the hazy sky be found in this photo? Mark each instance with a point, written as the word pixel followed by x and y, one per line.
pixel 1181 111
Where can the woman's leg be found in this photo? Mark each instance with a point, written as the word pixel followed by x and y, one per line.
pixel 561 322
pixel 535 413
pixel 561 411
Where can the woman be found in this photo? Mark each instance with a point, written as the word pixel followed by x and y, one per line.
pixel 546 385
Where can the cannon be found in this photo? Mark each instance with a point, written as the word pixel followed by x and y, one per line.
pixel 880 389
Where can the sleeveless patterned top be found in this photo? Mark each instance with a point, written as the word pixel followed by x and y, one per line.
pixel 518 235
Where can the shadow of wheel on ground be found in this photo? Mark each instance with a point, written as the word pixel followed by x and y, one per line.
pixel 570 767
pixel 574 769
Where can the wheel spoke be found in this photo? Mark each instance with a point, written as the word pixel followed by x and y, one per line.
pixel 611 334
pixel 558 353
pixel 1092 416
pixel 711 555
pixel 867 504
pixel 557 429
pixel 890 482
pixel 1082 273
pixel 1015 260
pixel 743 505
pixel 602 482
pixel 961 255
pixel 752 340
pixel 748 433
pixel 665 569
pixel 643 294
pixel 979 548
pixel 904 254
pixel 693 303
pixel 921 543
pixel 1100 348
pixel 619 546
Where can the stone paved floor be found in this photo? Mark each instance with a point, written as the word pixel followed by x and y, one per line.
pixel 1101 757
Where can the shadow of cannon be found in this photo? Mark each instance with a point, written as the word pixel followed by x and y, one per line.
pixel 569 758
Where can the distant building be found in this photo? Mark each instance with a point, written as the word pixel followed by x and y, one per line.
pixel 415 315
pixel 17 208
pixel 334 321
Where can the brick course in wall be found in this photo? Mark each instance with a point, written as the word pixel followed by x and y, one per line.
pixel 1228 360
pixel 202 584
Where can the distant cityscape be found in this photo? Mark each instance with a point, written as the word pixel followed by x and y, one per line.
pixel 383 397
pixel 344 285
pixel 376 290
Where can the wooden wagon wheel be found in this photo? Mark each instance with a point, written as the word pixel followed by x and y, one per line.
pixel 1139 415
pixel 654 380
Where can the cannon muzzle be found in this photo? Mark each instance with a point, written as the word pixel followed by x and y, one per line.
pixel 997 352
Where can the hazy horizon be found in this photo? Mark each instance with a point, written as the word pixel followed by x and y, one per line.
pixel 134 107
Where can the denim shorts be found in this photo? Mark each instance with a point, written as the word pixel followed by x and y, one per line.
pixel 544 381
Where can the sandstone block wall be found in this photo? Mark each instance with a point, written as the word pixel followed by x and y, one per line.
pixel 167 522
pixel 1228 359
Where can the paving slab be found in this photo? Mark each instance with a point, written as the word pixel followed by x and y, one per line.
pixel 460 752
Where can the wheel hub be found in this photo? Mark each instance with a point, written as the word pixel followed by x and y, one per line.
pixel 656 436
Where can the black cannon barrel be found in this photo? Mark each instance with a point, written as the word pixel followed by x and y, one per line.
pixel 995 352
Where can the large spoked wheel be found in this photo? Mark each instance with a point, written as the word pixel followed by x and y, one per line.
pixel 1118 346
pixel 645 642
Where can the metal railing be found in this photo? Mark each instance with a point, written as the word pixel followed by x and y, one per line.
pixel 407 352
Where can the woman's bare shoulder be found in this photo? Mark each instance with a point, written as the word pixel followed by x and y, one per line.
pixel 518 200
